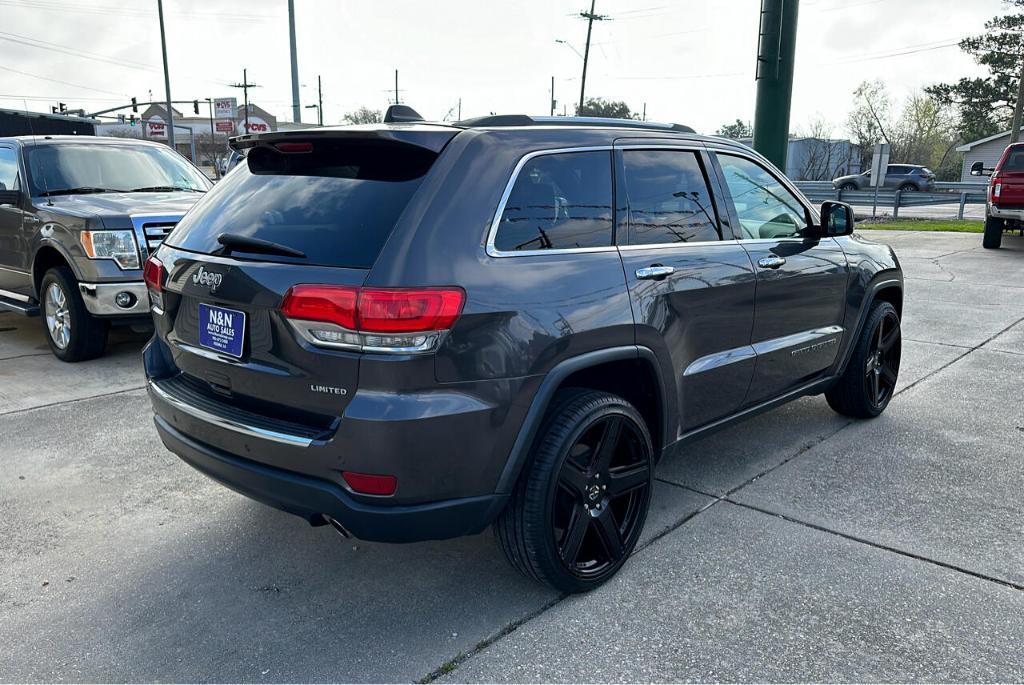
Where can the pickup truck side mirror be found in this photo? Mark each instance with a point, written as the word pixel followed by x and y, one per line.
pixel 978 169
pixel 836 219
pixel 10 197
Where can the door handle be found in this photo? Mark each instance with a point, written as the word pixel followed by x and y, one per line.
pixel 771 262
pixel 655 272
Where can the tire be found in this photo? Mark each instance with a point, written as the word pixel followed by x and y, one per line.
pixel 993 233
pixel 908 188
pixel 848 186
pixel 74 335
pixel 869 382
pixel 563 525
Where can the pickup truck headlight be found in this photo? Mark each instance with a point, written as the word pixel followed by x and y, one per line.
pixel 117 245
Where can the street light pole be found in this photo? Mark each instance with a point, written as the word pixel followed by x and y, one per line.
pixel 167 74
pixel 296 107
pixel 320 100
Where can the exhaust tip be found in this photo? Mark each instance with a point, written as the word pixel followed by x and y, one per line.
pixel 336 525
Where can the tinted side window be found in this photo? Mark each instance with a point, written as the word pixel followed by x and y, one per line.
pixel 766 209
pixel 559 201
pixel 8 169
pixel 669 200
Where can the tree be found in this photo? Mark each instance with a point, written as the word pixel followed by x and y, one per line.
pixel 611 109
pixel 211 150
pixel 922 131
pixel 736 130
pixel 364 115
pixel 985 104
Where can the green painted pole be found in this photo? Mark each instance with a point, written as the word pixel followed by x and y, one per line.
pixel 776 52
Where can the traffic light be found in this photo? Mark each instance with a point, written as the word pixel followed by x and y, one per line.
pixel 120 118
pixel 61 109
pixel 195 106
pixel 131 119
pixel 135 106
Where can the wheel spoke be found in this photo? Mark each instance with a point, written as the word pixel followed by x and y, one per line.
pixel 627 479
pixel 573 480
pixel 608 531
pixel 876 387
pixel 889 340
pixel 579 522
pixel 888 375
pixel 605 449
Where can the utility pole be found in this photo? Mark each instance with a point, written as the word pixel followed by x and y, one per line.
pixel 296 107
pixel 167 75
pixel 245 86
pixel 320 100
pixel 776 52
pixel 552 96
pixel 644 117
pixel 460 110
pixel 396 86
pixel 213 140
pixel 590 17
pixel 1018 107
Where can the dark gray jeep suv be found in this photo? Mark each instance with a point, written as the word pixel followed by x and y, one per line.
pixel 410 331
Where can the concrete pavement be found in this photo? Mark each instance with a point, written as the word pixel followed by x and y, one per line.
pixel 797 546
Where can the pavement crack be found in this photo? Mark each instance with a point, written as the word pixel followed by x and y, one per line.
pixel 880 546
pixel 77 399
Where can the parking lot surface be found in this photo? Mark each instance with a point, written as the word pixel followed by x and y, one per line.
pixel 797 546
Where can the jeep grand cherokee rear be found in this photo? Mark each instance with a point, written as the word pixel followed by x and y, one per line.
pixel 410 331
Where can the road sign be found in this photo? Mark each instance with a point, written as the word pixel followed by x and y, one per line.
pixel 879 164
pixel 225 108
pixel 879 168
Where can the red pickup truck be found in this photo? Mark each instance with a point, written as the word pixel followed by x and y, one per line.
pixel 1004 208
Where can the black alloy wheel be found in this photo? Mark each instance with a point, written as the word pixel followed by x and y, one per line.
pixel 601 496
pixel 577 513
pixel 883 361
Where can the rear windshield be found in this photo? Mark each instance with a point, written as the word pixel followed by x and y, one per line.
pixel 336 204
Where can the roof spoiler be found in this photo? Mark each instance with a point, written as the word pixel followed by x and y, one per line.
pixel 499 120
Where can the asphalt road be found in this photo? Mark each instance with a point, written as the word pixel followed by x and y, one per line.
pixel 797 546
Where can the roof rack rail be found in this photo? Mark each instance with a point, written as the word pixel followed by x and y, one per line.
pixel 498 120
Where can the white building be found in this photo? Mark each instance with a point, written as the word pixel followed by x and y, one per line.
pixel 987 151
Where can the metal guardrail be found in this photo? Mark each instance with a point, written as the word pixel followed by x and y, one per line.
pixel 945 193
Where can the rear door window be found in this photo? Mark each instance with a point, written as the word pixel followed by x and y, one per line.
pixel 668 198
pixel 559 201
pixel 9 169
pixel 336 203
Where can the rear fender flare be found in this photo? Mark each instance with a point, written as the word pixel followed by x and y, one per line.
pixel 520 451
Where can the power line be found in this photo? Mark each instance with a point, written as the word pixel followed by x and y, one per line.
pixel 109 10
pixel 64 83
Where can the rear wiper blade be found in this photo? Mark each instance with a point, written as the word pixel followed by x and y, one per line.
pixel 79 191
pixel 164 189
pixel 233 241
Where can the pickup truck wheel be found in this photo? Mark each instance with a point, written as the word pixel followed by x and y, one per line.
pixel 577 513
pixel 74 335
pixel 993 233
pixel 869 382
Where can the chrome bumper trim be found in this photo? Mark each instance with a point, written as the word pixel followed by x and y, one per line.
pixel 99 298
pixel 220 421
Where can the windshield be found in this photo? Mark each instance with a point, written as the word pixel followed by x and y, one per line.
pixel 91 167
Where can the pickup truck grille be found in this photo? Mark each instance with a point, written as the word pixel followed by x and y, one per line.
pixel 155 233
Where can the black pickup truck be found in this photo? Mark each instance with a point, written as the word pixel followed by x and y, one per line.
pixel 78 217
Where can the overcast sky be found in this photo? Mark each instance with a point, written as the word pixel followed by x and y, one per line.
pixel 690 61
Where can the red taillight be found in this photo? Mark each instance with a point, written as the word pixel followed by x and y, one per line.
pixel 409 310
pixel 376 310
pixel 370 484
pixel 329 303
pixel 154 274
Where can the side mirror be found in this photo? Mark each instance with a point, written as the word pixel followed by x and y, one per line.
pixel 978 169
pixel 10 197
pixel 836 218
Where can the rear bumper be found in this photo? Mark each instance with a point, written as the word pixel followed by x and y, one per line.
pixel 1002 213
pixel 311 498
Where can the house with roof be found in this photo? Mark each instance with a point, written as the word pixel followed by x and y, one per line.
pixel 987 151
